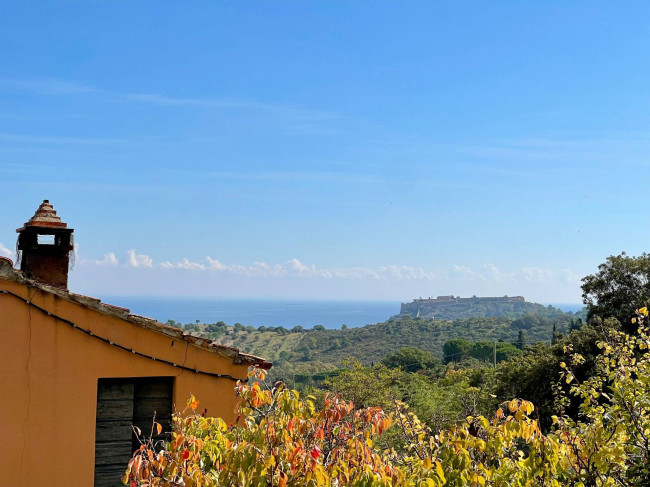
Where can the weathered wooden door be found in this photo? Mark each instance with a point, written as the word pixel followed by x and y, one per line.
pixel 121 404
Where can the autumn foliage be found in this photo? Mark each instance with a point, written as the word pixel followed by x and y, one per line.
pixel 282 439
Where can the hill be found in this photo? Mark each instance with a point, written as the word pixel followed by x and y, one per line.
pixel 316 350
pixel 454 307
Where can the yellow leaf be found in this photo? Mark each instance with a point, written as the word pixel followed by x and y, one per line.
pixel 529 408
pixel 440 472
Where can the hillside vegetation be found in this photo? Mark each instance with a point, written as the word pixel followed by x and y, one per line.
pixel 380 426
pixel 319 350
pixel 453 308
pixel 571 409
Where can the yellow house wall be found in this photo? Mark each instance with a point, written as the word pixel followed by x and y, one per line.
pixel 48 383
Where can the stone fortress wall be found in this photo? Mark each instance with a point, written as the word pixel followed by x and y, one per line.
pixel 425 306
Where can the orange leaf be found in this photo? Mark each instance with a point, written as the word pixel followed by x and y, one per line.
pixel 158 428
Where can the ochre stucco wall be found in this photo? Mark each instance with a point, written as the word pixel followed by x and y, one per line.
pixel 48 384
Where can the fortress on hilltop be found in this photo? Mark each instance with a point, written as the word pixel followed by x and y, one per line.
pixel 443 305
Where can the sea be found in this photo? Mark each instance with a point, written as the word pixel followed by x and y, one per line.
pixel 567 307
pixel 260 312
pixel 287 313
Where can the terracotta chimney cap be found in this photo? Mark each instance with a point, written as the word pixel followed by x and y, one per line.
pixel 45 216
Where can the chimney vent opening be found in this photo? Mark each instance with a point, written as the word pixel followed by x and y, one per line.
pixel 45 239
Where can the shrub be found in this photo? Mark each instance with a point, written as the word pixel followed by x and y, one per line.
pixel 282 439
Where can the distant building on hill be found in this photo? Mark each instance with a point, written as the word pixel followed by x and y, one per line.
pixel 446 306
pixel 78 373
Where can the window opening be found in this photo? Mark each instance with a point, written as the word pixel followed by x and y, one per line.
pixel 45 239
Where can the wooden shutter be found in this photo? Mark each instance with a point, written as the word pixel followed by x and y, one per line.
pixel 122 403
pixel 152 396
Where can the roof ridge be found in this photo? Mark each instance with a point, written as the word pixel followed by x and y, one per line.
pixel 9 273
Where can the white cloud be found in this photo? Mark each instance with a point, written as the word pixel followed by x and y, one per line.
pixel 493 273
pixel 295 268
pixel 298 268
pixel 217 265
pixel 537 274
pixel 108 259
pixel 257 269
pixel 463 272
pixel 5 251
pixel 139 260
pixel 490 273
pixel 183 264
pixel 407 272
pixel 569 276
pixel 355 273
pixel 291 268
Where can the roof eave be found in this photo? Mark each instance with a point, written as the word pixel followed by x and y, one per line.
pixel 9 273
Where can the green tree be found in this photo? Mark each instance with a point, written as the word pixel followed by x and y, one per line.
pixel 483 351
pixel 522 339
pixel 456 350
pixel 284 356
pixel 575 324
pixel 621 285
pixel 212 328
pixel 557 336
pixel 529 321
pixel 532 374
pixel 611 443
pixel 506 351
pixel 365 386
pixel 411 359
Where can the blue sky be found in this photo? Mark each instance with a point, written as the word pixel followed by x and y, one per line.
pixel 329 150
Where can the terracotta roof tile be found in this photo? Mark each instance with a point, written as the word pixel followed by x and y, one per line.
pixel 9 273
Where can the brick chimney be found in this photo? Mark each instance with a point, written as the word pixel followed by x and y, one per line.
pixel 44 246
